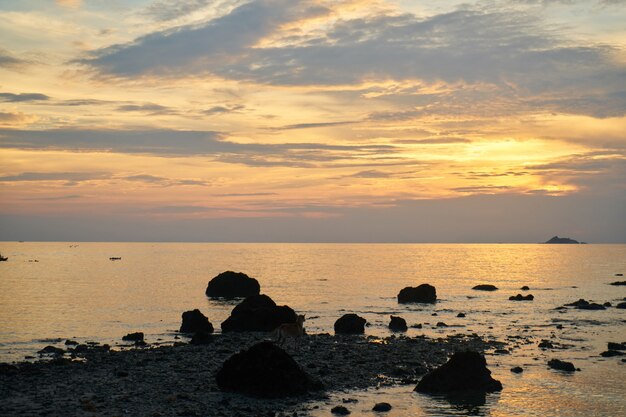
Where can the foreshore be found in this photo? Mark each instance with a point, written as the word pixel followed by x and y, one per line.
pixel 180 380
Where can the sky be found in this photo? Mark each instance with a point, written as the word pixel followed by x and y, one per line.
pixel 313 121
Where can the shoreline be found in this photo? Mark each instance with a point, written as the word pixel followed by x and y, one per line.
pixel 180 379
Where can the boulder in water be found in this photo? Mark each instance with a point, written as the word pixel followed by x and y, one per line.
pixel 485 287
pixel 258 313
pixel 621 305
pixel 618 283
pixel 560 365
pixel 397 324
pixel 583 304
pixel 424 293
pixel 382 407
pixel 264 370
pixel 136 337
pixel 520 297
pixel 231 284
pixel 350 324
pixel 464 372
pixel 194 321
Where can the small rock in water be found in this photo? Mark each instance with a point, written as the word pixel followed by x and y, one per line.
pixel 231 284
pixel 134 337
pixel 517 370
pixel 583 304
pixel 607 304
pixel 560 365
pixel 619 275
pixel 424 293
pixel 258 313
pixel 416 326
pixel 194 321
pixel 546 344
pixel 559 326
pixel 441 324
pixel 501 352
pixel 461 315
pixel 611 353
pixel 621 305
pixel 350 324
pixel 434 314
pixel 340 410
pixel 69 342
pixel 616 346
pixel 51 350
pixel 618 282
pixel 485 287
pixel 382 407
pixel 520 297
pixel 398 324
pixel 525 288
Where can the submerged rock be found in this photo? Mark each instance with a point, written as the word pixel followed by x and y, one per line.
pixel 485 287
pixel 618 283
pixel 231 284
pixel 398 324
pixel 194 321
pixel 350 324
pixel 340 410
pixel 264 370
pixel 610 353
pixel 621 305
pixel 465 371
pixel 51 350
pixel 424 293
pixel 616 346
pixel 583 304
pixel 461 315
pixel 382 407
pixel 520 297
pixel 560 365
pixel 525 288
pixel 258 313
pixel 517 370
pixel 134 337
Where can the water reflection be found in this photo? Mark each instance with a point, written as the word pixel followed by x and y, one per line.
pixel 458 404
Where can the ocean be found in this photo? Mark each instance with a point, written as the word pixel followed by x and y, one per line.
pixel 50 292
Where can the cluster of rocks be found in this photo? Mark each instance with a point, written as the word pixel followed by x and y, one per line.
pixel 520 297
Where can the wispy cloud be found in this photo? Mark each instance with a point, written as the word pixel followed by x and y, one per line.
pixel 22 97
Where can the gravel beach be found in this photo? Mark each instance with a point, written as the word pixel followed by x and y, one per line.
pixel 180 380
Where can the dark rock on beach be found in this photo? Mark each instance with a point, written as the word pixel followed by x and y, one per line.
pixel 610 353
pixel 194 321
pixel 258 313
pixel 520 297
pixel 51 350
pixel 465 371
pixel 382 407
pixel 340 410
pixel 461 315
pixel 231 284
pixel 616 346
pixel 485 287
pixel 397 324
pixel 134 337
pixel 560 365
pixel 350 324
pixel 424 293
pixel 525 288
pixel 517 370
pixel 618 283
pixel 264 370
pixel 557 239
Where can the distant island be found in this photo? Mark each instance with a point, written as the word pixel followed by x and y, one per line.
pixel 557 239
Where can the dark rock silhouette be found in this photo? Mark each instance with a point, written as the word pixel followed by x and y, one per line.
pixel 583 304
pixel 461 315
pixel 231 284
pixel 382 407
pixel 134 337
pixel 340 410
pixel 464 371
pixel 485 287
pixel 517 370
pixel 258 313
pixel 557 239
pixel 546 344
pixel 201 338
pixel 560 365
pixel 616 346
pixel 423 293
pixel 51 350
pixel 610 353
pixel 525 288
pixel 3 258
pixel 350 324
pixel 398 324
pixel 194 321
pixel 264 370
pixel 618 283
pixel 621 305
pixel 520 297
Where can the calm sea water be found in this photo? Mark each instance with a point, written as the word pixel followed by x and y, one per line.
pixel 75 291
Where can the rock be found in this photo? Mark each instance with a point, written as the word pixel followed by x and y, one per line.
pixel 607 304
pixel 264 370
pixel 134 337
pixel 382 407
pixel 520 297
pixel 398 324
pixel 423 293
pixel 621 305
pixel 561 365
pixel 583 304
pixel 441 324
pixel 485 287
pixel 610 353
pixel 517 370
pixel 258 313
pixel 461 315
pixel 465 371
pixel 231 284
pixel 340 410
pixel 619 275
pixel 546 344
pixel 194 321
pixel 350 324
pixel 557 239
pixel 525 288
pixel 618 282
pixel 51 350
pixel 416 326
pixel 69 342
pixel 201 338
pixel 616 346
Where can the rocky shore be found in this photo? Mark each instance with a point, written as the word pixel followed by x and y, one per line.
pixel 180 380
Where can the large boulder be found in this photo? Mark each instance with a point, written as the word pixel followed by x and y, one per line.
pixel 464 372
pixel 265 370
pixel 194 321
pixel 231 284
pixel 397 324
pixel 424 293
pixel 258 313
pixel 350 324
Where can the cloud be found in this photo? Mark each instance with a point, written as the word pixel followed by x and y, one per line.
pixel 9 61
pixel 22 97
pixel 148 108
pixel 19 118
pixel 55 198
pixel 168 182
pixel 169 10
pixel 432 141
pixel 223 109
pixel 482 189
pixel 55 176
pixel 313 125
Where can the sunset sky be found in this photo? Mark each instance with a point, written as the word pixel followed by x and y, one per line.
pixel 324 121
